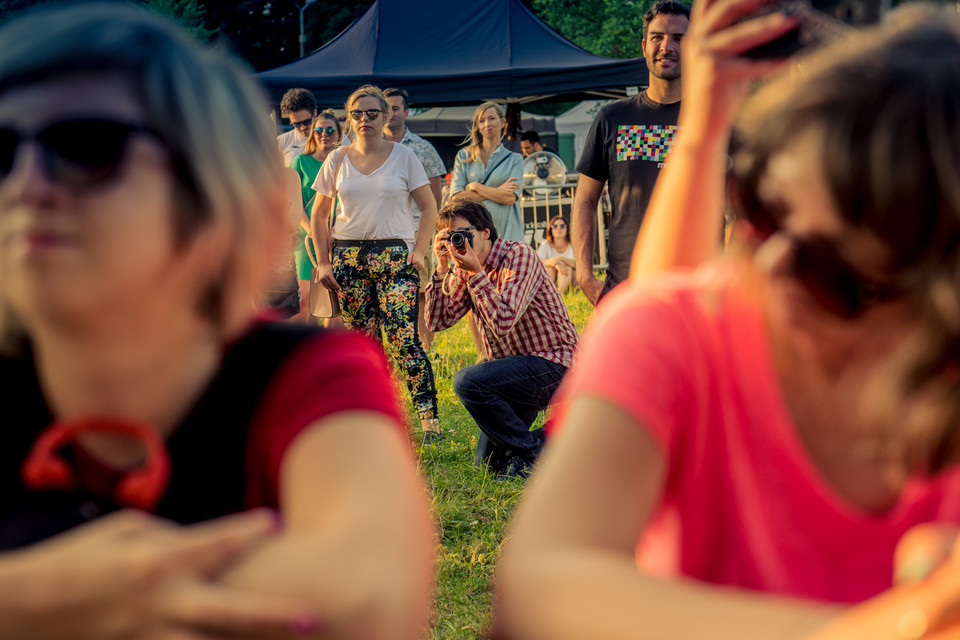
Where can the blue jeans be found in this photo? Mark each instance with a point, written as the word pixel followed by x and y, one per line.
pixel 504 397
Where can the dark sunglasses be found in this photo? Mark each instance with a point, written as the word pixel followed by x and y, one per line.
pixel 372 114
pixel 327 130
pixel 559 225
pixel 817 264
pixel 302 124
pixel 77 154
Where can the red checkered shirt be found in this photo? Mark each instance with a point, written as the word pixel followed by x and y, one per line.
pixel 518 307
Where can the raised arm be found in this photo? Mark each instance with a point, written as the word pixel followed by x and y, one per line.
pixel 502 304
pixel 682 226
pixel 447 298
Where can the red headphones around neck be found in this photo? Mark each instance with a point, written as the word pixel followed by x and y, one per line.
pixel 45 469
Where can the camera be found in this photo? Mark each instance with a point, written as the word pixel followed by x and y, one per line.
pixel 458 237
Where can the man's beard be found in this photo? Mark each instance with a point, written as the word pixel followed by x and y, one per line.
pixel 670 74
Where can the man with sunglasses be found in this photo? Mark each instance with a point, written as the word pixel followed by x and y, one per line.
pixel 300 107
pixel 626 148
pixel 526 331
pixel 396 130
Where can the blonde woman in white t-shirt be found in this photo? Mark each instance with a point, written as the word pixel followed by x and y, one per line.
pixel 556 252
pixel 373 256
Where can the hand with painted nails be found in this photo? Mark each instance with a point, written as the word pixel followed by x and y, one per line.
pixel 130 575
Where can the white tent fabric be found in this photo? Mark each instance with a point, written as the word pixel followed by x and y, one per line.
pixel 577 121
pixel 455 121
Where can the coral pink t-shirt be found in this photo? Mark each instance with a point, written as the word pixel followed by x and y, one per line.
pixel 743 504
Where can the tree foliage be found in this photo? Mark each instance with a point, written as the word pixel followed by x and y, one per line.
pixel 189 13
pixel 612 28
pixel 266 32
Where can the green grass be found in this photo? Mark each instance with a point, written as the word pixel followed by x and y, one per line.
pixel 472 508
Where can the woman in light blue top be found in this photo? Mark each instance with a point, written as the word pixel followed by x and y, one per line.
pixel 486 172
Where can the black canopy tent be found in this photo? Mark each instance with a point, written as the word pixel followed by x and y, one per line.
pixel 454 53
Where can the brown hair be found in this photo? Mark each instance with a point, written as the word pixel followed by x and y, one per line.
pixel 297 100
pixel 474 212
pixel 665 7
pixel 887 102
pixel 548 234
pixel 388 93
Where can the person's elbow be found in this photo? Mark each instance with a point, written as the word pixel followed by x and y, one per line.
pixel 504 325
pixel 395 597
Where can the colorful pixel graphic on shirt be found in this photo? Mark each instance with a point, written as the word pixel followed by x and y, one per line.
pixel 644 141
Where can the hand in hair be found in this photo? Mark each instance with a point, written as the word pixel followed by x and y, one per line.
pixel 684 217
pixel 716 75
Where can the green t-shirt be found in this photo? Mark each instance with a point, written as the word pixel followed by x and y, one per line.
pixel 308 167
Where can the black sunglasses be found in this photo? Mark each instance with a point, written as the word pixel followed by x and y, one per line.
pixel 372 114
pixel 559 225
pixel 78 154
pixel 834 283
pixel 327 130
pixel 302 124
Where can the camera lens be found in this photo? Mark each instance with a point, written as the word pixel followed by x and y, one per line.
pixel 457 238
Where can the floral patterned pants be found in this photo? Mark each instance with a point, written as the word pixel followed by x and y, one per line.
pixel 380 291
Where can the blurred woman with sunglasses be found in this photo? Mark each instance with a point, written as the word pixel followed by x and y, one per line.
pixel 556 252
pixel 374 252
pixel 776 431
pixel 324 138
pixel 121 171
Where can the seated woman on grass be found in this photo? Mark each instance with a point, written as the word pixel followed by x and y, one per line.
pixel 556 252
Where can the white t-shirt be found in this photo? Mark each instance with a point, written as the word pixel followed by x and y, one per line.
pixel 546 251
pixel 375 206
pixel 291 145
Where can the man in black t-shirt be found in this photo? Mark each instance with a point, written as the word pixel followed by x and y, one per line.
pixel 626 147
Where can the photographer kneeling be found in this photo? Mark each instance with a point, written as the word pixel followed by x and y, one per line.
pixel 527 333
